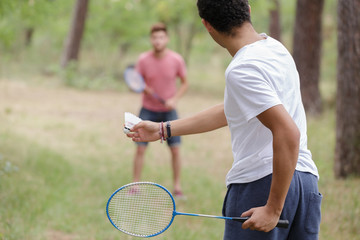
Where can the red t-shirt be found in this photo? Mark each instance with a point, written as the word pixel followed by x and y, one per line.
pixel 160 75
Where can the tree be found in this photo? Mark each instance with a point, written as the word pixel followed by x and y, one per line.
pixel 347 151
pixel 22 18
pixel 275 25
pixel 125 24
pixel 181 17
pixel 307 51
pixel 73 42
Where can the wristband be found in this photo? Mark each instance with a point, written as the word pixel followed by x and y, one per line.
pixel 168 129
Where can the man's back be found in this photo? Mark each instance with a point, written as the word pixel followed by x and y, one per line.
pixel 261 75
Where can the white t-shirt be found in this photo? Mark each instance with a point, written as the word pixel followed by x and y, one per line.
pixel 261 75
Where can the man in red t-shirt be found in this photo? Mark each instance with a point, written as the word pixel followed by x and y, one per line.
pixel 160 68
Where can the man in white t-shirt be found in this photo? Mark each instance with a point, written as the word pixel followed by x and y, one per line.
pixel 273 175
pixel 253 85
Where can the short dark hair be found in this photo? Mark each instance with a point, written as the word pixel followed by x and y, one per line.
pixel 224 15
pixel 158 27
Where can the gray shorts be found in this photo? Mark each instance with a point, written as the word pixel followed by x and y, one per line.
pixel 302 208
pixel 146 114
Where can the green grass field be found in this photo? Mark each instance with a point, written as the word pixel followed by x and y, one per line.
pixel 63 153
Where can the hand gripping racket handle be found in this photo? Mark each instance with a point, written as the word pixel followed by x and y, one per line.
pixel 281 223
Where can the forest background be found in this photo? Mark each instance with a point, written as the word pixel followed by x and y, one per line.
pixel 62 150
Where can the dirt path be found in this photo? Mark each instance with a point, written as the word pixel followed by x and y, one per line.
pixel 20 97
pixel 67 120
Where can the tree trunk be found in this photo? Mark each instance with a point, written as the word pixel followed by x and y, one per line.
pixel 189 42
pixel 307 52
pixel 73 41
pixel 347 151
pixel 29 31
pixel 275 25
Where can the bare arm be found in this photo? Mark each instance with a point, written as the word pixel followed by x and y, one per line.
pixel 204 121
pixel 286 137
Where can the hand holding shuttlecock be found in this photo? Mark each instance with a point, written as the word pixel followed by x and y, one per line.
pixel 130 121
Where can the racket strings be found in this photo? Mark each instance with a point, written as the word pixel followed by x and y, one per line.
pixel 141 210
pixel 134 80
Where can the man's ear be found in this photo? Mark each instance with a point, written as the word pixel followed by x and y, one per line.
pixel 207 25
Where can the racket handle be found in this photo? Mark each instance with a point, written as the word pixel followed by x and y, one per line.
pixel 158 98
pixel 283 224
pixel 280 224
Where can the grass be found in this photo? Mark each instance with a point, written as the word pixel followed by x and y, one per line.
pixel 63 157
pixel 340 206
pixel 62 150
pixel 63 154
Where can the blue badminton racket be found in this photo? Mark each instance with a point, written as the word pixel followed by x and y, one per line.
pixel 145 209
pixel 136 83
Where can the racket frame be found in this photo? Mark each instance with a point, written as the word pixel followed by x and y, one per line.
pixel 131 68
pixel 281 223
pixel 139 183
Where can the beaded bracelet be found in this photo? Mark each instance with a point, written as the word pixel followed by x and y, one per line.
pixel 162 133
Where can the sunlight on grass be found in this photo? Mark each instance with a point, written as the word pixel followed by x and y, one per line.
pixel 62 158
pixel 63 152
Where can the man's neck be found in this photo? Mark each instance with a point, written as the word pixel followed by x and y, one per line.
pixel 243 36
pixel 160 54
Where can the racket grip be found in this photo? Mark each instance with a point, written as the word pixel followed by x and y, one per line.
pixel 280 224
pixel 158 98
pixel 283 224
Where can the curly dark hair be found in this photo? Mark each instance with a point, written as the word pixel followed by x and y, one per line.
pixel 224 15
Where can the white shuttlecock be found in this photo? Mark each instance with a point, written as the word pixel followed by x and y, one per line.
pixel 130 121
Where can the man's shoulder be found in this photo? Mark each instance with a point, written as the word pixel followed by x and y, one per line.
pixel 145 55
pixel 174 54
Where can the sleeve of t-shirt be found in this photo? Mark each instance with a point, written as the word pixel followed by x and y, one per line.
pixel 139 65
pixel 182 68
pixel 251 91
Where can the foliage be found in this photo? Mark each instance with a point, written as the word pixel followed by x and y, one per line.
pixel 117 31
pixel 121 24
pixel 17 16
pixel 116 21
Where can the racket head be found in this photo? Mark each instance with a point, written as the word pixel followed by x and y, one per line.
pixel 141 209
pixel 133 79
